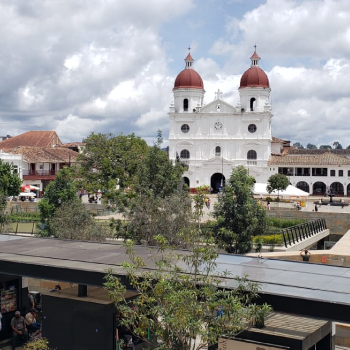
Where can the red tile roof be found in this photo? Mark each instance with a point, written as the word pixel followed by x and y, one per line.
pixel 73 144
pixel 298 157
pixel 189 57
pixel 32 139
pixel 46 154
pixel 255 55
pixel 277 140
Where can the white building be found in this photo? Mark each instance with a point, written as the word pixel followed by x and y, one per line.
pixel 216 137
pixel 15 160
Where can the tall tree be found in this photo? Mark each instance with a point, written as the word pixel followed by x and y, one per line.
pixel 239 216
pixel 157 174
pixel 157 202
pixel 108 161
pixel 325 147
pixel 182 299
pixel 311 146
pixel 62 189
pixel 277 182
pixel 298 145
pixel 337 145
pixel 10 183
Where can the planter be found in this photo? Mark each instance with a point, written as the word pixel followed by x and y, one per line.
pixel 259 322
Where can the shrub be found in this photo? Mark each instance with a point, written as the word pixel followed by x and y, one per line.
pixel 269 239
pixel 284 223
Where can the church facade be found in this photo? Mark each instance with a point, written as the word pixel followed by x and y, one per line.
pixel 214 138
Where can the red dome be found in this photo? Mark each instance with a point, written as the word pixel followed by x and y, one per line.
pixel 189 79
pixel 254 77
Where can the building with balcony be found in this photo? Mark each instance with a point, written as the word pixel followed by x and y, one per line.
pixel 42 155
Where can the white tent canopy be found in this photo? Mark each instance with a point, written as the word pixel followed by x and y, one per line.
pixel 27 194
pixel 290 191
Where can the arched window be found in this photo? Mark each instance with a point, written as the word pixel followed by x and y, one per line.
pixel 217 151
pixel 185 105
pixel 252 103
pixel 185 154
pixel 251 155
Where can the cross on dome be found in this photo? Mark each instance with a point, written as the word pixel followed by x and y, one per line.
pixel 255 58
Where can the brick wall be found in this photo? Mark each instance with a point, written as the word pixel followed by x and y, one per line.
pixel 338 223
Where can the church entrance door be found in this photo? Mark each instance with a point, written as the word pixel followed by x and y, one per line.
pixel 217 182
pixel 186 181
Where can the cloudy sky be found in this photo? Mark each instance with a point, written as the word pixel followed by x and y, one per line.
pixel 77 66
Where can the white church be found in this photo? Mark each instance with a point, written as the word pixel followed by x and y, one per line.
pixel 214 138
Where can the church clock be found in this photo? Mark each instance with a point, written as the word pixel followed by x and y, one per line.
pixel 218 126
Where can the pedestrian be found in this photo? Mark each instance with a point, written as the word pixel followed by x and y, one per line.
pixel 268 205
pixel 19 329
pixel 30 320
pixel 208 203
pixel 342 204
pixel 316 207
pixel 31 303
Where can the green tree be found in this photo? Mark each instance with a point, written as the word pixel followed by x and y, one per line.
pixel 108 161
pixel 62 189
pixel 298 145
pixel 157 174
pixel 325 147
pixel 181 299
pixel 277 182
pixel 311 146
pixel 4 218
pixel 10 183
pixel 73 221
pixel 337 145
pixel 157 202
pixel 149 215
pixel 239 216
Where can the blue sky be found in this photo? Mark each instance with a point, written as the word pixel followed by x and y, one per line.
pixel 109 65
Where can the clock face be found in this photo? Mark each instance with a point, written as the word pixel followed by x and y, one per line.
pixel 218 126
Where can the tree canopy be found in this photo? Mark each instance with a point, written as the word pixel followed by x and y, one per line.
pixel 325 147
pixel 10 183
pixel 298 145
pixel 108 161
pixel 239 216
pixel 311 146
pixel 337 145
pixel 277 182
pixel 182 300
pixel 62 189
pixel 157 201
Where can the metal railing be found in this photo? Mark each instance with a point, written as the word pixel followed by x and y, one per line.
pixel 39 172
pixel 295 234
